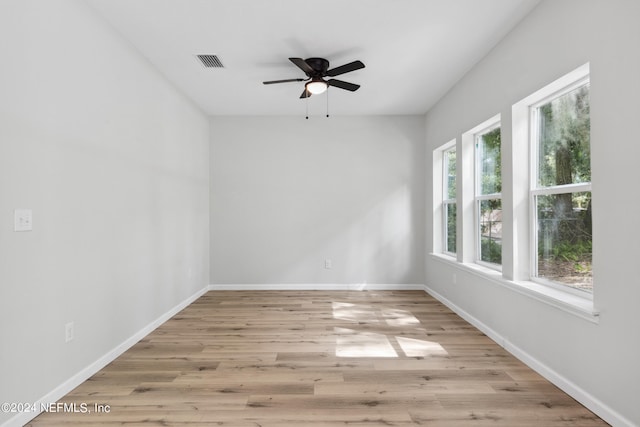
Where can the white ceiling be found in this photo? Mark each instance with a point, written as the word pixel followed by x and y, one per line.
pixel 414 50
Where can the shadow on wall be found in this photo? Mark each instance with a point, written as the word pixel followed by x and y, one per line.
pixel 381 242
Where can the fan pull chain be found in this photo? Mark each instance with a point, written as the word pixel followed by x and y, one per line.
pixel 307 104
pixel 327 102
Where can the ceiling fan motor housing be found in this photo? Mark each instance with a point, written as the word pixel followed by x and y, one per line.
pixel 319 65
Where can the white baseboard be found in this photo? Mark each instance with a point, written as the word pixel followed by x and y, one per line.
pixel 316 287
pixel 582 396
pixel 585 398
pixel 63 389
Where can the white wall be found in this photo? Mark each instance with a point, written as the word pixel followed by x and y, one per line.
pixel 288 193
pixel 598 361
pixel 114 164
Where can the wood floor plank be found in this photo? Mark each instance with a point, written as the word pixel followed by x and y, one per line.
pixel 318 359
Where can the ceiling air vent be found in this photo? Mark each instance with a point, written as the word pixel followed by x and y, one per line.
pixel 210 61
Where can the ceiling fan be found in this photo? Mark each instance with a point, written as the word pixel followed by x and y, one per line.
pixel 318 68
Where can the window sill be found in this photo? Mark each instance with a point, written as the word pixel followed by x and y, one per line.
pixel 565 301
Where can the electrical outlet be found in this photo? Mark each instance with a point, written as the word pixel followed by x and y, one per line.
pixel 22 220
pixel 68 332
pixel 328 264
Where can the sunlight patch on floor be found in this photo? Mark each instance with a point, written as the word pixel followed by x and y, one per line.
pixel 420 348
pixel 351 343
pixel 399 318
pixel 354 312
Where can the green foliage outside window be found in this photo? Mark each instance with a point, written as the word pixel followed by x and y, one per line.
pixel 491 231
pixel 564 220
pixel 451 174
pixel 450 194
pixel 565 143
pixel 451 227
pixel 489 163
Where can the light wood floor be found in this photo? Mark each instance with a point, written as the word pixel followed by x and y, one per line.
pixel 311 358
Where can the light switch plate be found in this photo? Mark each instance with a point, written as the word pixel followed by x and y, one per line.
pixel 22 220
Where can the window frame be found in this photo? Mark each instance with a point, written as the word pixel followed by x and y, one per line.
pixel 518 205
pixel 477 197
pixel 535 190
pixel 439 214
pixel 446 201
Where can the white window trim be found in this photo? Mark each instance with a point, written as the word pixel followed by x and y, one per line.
pixel 546 95
pixel 439 218
pixel 562 189
pixel 466 191
pixel 517 187
pixel 524 158
pixel 446 202
pixel 485 127
pixel 568 302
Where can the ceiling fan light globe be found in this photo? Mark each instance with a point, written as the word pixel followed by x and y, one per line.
pixel 316 87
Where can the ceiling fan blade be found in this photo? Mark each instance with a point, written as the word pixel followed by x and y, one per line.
pixel 302 64
pixel 282 81
pixel 305 94
pixel 343 85
pixel 346 68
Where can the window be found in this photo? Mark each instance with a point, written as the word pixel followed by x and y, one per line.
pixel 488 198
pixel 542 186
pixel 445 193
pixel 561 188
pixel 449 211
